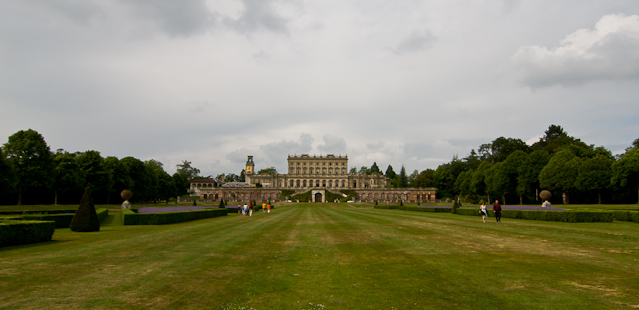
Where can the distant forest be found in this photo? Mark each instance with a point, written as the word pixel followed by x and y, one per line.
pixel 513 172
pixel 506 169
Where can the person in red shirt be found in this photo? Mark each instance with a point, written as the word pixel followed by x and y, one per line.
pixel 497 210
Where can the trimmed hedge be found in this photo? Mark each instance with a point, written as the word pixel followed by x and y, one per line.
pixel 61 220
pixel 25 232
pixel 386 207
pixel 22 212
pixel 132 218
pixel 628 216
pixel 423 209
pixel 557 216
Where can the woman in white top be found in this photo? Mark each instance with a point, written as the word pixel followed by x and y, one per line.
pixel 482 210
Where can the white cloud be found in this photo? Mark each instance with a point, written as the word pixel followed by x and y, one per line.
pixel 610 51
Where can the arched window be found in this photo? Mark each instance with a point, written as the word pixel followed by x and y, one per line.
pixel 297 183
pixel 330 183
pixel 291 183
pixel 316 183
pixel 304 183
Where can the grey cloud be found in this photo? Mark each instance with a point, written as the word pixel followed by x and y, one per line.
pixel 415 42
pixel 275 151
pixel 333 145
pixel 239 155
pixel 258 15
pixel 375 146
pixel 607 52
pixel 177 18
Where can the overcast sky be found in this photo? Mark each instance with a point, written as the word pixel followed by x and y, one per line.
pixel 394 82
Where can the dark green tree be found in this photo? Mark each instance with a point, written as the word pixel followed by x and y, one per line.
pixel 528 180
pixel 32 161
pixel 95 174
pixel 625 171
pixel 119 179
pixel 402 178
pixel 425 178
pixel 187 172
pixel 7 177
pixel 68 177
pixel 269 170
pixel 181 188
pixel 139 177
pixel 375 169
pixel 555 139
pixel 594 174
pixel 390 173
pixel 85 218
pixel 560 173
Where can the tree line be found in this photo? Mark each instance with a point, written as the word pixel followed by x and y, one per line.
pixel 510 170
pixel 31 174
pixel 506 169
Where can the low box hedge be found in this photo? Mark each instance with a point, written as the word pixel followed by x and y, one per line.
pixel 628 216
pixel 386 207
pixel 25 232
pixel 424 209
pixel 61 220
pixel 539 215
pixel 132 218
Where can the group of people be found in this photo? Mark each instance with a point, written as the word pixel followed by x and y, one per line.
pixel 496 210
pixel 247 209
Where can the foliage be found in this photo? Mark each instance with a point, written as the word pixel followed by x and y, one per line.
pixel 625 172
pixel 561 172
pixel 269 170
pixel 25 232
pixel 7 177
pixel 594 174
pixel 85 218
pixel 556 216
pixel 132 218
pixel 32 161
pixel 375 169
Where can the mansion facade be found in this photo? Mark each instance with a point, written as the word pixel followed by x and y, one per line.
pixel 305 171
pixel 308 173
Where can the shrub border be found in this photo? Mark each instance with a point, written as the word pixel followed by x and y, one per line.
pixel 160 218
pixel 19 232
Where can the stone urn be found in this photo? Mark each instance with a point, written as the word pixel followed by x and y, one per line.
pixel 126 195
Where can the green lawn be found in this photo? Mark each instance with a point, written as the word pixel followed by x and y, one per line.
pixel 326 256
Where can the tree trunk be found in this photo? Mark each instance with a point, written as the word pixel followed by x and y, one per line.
pixel 55 198
pixel 536 193
pixel 565 198
pixel 521 200
pixel 20 196
pixel 503 199
pixel 599 194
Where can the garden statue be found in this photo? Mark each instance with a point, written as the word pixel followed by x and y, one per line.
pixel 126 195
pixel 545 195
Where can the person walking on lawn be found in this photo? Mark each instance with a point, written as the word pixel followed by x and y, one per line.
pixel 483 212
pixel 497 210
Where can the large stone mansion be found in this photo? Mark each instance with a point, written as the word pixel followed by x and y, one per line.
pixel 315 173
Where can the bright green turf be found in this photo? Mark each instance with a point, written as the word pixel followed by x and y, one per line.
pixel 324 256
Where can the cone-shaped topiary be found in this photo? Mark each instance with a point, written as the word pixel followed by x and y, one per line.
pixel 222 204
pixel 85 218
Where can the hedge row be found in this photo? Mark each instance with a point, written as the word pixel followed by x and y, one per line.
pixel 628 216
pixel 22 212
pixel 386 207
pixel 25 232
pixel 61 220
pixel 132 218
pixel 422 209
pixel 557 216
